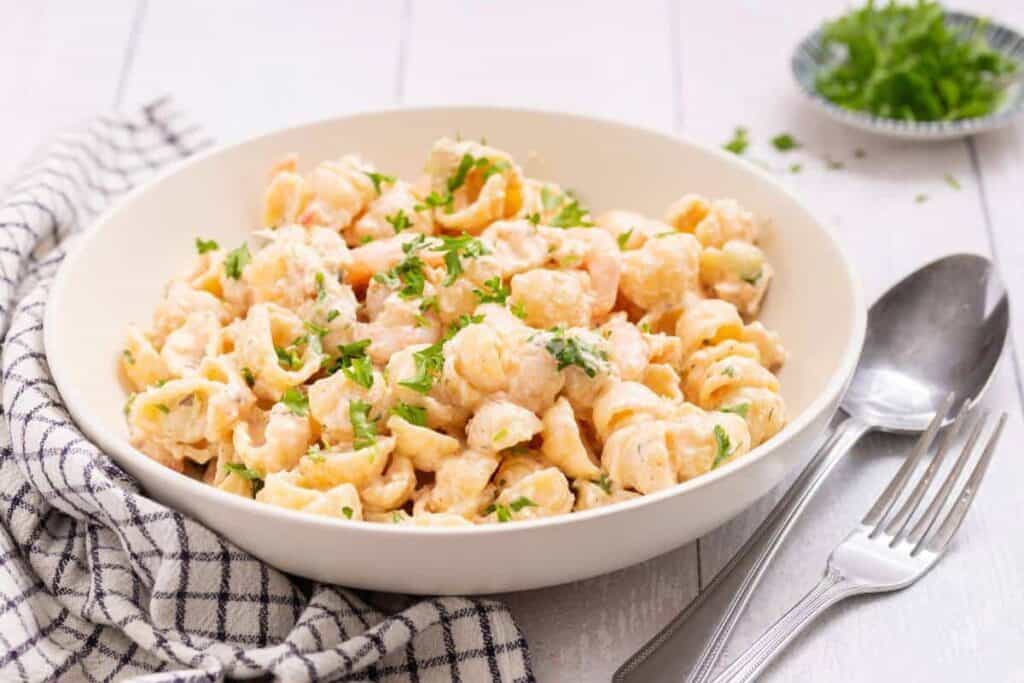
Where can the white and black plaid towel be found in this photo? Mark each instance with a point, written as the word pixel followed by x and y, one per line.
pixel 99 582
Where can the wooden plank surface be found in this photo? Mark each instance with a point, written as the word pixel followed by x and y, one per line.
pixel 699 70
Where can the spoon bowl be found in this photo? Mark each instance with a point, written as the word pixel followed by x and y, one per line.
pixel 939 330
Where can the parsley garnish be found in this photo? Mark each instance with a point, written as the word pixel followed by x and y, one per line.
pixel 795 168
pixel 499 435
pixel 314 454
pixel 454 248
pixel 379 178
pixel 236 261
pixel 399 221
pixel 493 291
pixel 502 511
pixel 360 371
pixel 623 237
pixel 128 357
pixel 249 378
pixel 415 415
pixel 363 428
pixel 396 517
pixel 459 179
pixel 463 320
pixel 429 303
pixel 162 407
pixel 569 350
pixel 429 362
pixel 518 310
pixel 128 403
pixel 605 483
pixel 347 353
pixel 548 199
pixel 752 279
pixel 951 181
pixel 572 216
pixel 203 246
pixel 332 314
pixel 739 142
pixel 728 371
pixel 920 198
pixel 520 503
pixel 347 511
pixel 294 400
pixel 534 218
pixel 288 358
pixel 784 142
pixel 740 409
pixel 722 446
pixel 408 272
pixel 315 329
pixel 252 476
pixel 321 286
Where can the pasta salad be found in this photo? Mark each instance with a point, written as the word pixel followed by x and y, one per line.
pixel 472 347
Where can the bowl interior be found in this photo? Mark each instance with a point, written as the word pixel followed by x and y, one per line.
pixel 116 275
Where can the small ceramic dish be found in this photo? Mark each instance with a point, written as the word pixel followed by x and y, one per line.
pixel 810 59
pixel 116 274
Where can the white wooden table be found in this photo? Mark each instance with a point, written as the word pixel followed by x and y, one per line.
pixel 692 69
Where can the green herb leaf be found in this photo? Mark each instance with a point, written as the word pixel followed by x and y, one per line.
pixel 605 483
pixel 572 215
pixel 347 511
pixel 360 371
pixel 288 358
pixel 920 198
pixel 236 261
pixel 332 314
pixel 722 446
pixel 128 357
pixel 463 320
pixel 520 503
pixel 314 454
pixel 203 246
pixel 429 362
pixel 415 415
pixel 254 478
pixel 455 249
pixel 569 350
pixel 740 409
pixel 504 515
pixel 378 178
pixel 321 286
pixel 534 218
pixel 459 179
pixel 951 181
pixel 249 378
pixel 784 142
pixel 623 237
pixel 494 291
pixel 294 400
pixel 518 310
pixel 364 429
pixel 795 168
pixel 399 221
pixel 739 142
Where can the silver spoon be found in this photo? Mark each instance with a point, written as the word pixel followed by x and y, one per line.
pixel 938 332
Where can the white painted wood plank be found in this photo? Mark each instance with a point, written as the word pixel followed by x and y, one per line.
pixel 241 68
pixel 608 60
pixel 870 203
pixel 59 63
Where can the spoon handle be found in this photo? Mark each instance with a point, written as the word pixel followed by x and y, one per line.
pixel 711 617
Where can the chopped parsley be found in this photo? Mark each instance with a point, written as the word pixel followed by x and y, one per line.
pixel 459 179
pixel 462 321
pixel 396 517
pixel 236 261
pixel 728 371
pixel 128 357
pixel 520 503
pixel 456 248
pixel 569 350
pixel 623 237
pixel 740 409
pixel 250 379
pixel 252 476
pixel 429 303
pixel 407 275
pixel 951 181
pixel 572 215
pixel 363 428
pixel 332 314
pixel 499 435
pixel 494 291
pixel 203 246
pixel 314 329
pixel 321 286
pixel 548 199
pixel 128 403
pixel 360 371
pixel 378 178
pixel 162 407
pixel 752 279
pixel 429 362
pixel 534 218
pixel 347 511
pixel 784 142
pixel 436 201
pixel 795 168
pixel 294 400
pixel 920 198
pixel 722 446
pixel 288 358
pixel 739 142
pixel 314 454
pixel 347 354
pixel 504 515
pixel 399 221
pixel 415 415
pixel 518 310
pixel 605 483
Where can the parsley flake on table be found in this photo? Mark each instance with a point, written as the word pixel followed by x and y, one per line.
pixel 739 142
pixel 904 61
pixel 722 446
pixel 920 198
pixel 236 261
pixel 415 415
pixel 252 476
pixel 951 181
pixel 203 246
pixel 795 168
pixel 294 400
pixel 784 142
pixel 364 429
pixel 429 362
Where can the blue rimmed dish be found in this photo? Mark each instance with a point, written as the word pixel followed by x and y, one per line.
pixel 810 58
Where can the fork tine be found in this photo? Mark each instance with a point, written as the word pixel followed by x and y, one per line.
pixel 898 525
pixel 924 525
pixel 963 502
pixel 885 501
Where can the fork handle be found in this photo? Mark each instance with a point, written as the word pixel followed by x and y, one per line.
pixel 832 588
pixel 711 617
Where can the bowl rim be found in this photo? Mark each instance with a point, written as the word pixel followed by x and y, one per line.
pixel 110 443
pixel 920 130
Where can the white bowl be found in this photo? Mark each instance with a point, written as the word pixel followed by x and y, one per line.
pixel 116 273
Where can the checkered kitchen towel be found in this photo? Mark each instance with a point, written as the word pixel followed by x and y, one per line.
pixel 97 581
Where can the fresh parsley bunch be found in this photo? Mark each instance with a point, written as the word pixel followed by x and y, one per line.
pixel 905 62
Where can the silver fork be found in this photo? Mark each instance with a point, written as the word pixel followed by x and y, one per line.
pixel 884 553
